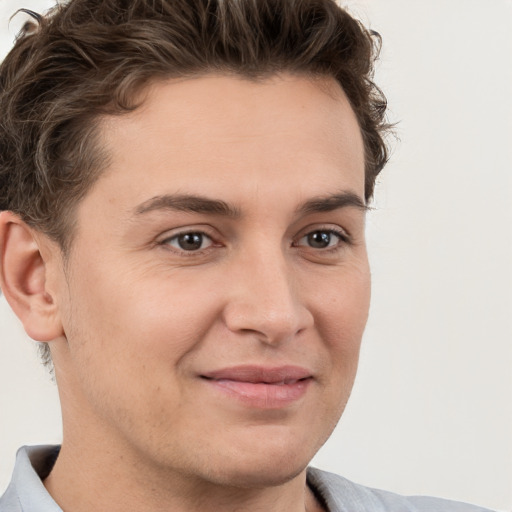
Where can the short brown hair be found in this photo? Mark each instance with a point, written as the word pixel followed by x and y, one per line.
pixel 91 57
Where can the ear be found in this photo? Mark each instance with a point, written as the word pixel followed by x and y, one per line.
pixel 23 279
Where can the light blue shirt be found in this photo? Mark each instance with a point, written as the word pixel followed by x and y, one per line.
pixel 26 492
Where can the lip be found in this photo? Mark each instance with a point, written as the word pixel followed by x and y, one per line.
pixel 261 387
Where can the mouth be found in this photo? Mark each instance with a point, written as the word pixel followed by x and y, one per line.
pixel 261 387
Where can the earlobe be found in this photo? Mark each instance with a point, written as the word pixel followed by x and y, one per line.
pixel 23 279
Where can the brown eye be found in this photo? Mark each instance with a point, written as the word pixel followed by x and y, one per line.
pixel 193 241
pixel 322 239
pixel 319 239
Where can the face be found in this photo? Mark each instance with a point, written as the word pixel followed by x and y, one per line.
pixel 218 286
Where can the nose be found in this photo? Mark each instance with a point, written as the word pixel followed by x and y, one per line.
pixel 265 299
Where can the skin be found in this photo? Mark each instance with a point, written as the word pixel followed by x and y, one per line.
pixel 135 321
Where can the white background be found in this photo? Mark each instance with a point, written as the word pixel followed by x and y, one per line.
pixel 431 412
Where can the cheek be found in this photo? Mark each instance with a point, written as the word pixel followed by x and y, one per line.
pixel 341 314
pixel 139 318
pixel 128 338
pixel 345 302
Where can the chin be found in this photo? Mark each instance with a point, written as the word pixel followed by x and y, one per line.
pixel 261 466
pixel 273 473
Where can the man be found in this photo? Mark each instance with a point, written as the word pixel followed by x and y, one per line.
pixel 184 187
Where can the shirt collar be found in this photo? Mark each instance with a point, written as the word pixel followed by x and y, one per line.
pixel 34 463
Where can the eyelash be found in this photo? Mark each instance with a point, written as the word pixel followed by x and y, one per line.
pixel 343 236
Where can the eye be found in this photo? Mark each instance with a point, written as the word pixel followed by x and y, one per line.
pixel 191 241
pixel 322 239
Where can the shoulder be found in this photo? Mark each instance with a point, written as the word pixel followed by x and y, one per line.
pixel 342 495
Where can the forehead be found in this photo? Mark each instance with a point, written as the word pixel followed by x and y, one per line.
pixel 211 130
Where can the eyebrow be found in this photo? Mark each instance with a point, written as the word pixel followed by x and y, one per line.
pixel 333 202
pixel 201 204
pixel 188 203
